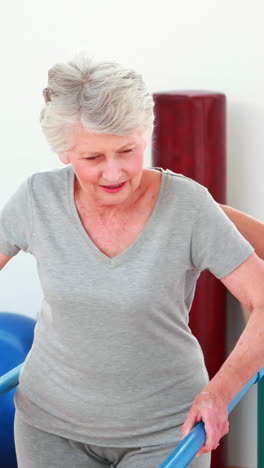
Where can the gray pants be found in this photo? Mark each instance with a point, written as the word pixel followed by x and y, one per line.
pixel 38 449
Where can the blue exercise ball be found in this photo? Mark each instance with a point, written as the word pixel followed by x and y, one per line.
pixel 16 337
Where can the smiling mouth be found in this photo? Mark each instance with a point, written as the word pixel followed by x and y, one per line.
pixel 114 187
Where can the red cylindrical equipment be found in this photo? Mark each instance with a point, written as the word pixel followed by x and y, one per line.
pixel 190 138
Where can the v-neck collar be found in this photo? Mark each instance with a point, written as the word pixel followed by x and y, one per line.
pixel 125 255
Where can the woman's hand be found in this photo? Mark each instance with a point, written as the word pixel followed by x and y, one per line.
pixel 212 411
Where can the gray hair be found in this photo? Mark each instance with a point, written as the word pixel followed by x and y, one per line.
pixel 102 97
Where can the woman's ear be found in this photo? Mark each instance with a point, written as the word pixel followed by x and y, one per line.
pixel 64 157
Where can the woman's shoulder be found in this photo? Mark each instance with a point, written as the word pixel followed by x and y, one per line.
pixel 46 186
pixel 50 175
pixel 180 185
pixel 50 179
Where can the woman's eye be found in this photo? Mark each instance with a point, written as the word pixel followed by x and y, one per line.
pixel 127 151
pixel 91 158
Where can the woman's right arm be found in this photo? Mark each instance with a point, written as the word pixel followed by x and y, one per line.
pixel 3 260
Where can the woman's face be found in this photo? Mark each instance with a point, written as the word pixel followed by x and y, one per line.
pixel 108 167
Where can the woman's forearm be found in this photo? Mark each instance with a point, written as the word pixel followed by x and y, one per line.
pixel 246 359
pixel 250 228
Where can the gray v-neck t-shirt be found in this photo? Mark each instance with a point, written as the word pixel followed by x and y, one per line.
pixel 114 362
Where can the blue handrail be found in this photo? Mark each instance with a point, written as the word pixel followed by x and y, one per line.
pixel 10 380
pixel 189 446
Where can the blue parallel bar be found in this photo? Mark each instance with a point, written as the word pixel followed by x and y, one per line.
pixel 245 389
pixel 187 449
pixel 10 380
pixel 189 446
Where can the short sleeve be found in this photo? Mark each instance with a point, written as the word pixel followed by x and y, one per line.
pixel 216 245
pixel 16 222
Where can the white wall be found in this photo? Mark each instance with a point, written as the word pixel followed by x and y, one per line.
pixel 176 44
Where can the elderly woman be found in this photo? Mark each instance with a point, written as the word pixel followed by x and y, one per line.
pixel 114 369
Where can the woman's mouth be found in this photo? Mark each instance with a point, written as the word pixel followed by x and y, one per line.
pixel 113 188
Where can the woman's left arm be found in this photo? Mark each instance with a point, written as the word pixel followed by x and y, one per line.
pixel 251 228
pixel 210 406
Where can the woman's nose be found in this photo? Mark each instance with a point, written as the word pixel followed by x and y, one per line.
pixel 112 172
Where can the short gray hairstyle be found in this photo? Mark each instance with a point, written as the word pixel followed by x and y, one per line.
pixel 102 97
